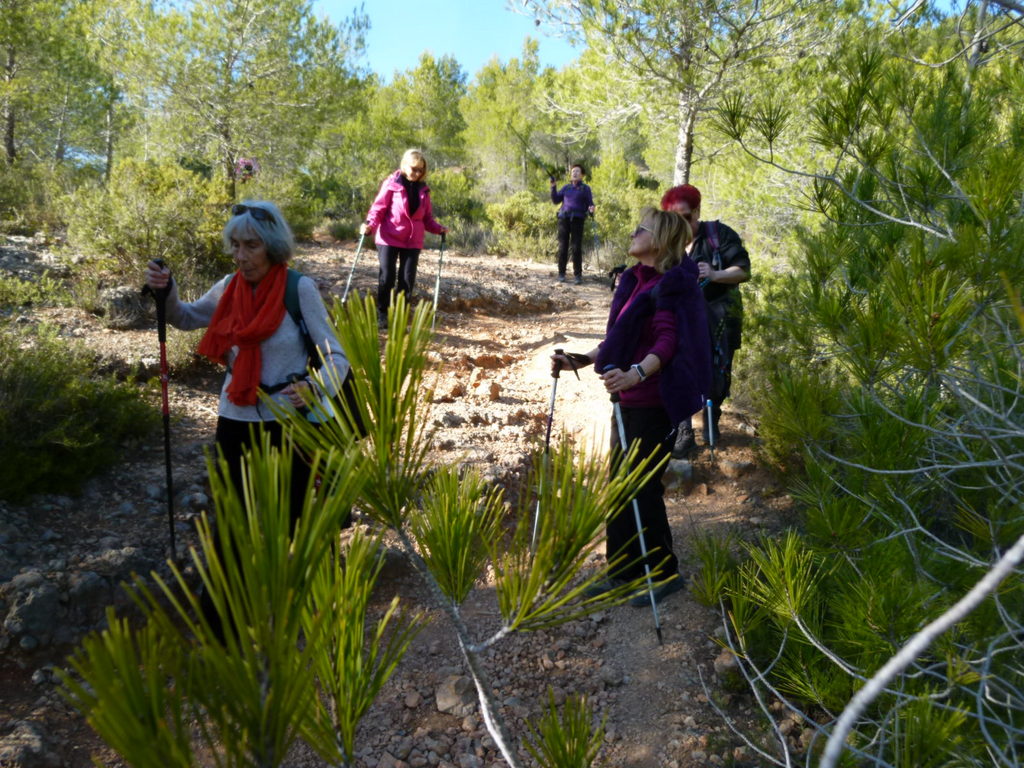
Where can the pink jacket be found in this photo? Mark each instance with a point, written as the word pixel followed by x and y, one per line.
pixel 389 216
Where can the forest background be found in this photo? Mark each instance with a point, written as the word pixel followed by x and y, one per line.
pixel 871 155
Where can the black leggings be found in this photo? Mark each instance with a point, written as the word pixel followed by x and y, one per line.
pixel 390 257
pixel 653 428
pixel 234 438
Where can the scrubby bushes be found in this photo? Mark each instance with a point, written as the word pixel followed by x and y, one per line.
pixel 524 226
pixel 149 210
pixel 59 424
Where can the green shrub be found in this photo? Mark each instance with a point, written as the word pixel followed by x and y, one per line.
pixel 27 195
pixel 524 226
pixel 302 210
pixel 471 237
pixel 149 210
pixel 451 194
pixel 59 425
pixel 16 292
pixel 717 567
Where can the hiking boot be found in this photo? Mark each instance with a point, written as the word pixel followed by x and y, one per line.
pixel 685 443
pixel 561 278
pixel 578 280
pixel 643 599
pixel 602 587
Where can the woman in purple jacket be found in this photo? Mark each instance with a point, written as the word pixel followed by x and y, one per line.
pixel 656 356
pixel 399 216
pixel 577 202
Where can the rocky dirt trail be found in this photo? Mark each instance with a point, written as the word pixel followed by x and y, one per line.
pixel 62 558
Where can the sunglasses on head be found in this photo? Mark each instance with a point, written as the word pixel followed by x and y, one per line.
pixel 640 229
pixel 260 214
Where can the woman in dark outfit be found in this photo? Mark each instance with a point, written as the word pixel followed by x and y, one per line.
pixel 577 201
pixel 399 215
pixel 655 355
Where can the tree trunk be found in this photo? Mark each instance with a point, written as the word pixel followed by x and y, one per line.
pixel 229 163
pixel 108 142
pixel 60 143
pixel 684 143
pixel 7 116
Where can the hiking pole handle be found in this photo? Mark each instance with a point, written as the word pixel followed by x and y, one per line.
pixel 556 371
pixel 614 396
pixel 160 297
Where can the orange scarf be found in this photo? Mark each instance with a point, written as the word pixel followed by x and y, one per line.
pixel 244 318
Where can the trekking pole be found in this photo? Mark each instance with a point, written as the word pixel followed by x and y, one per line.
pixel 437 282
pixel 711 430
pixel 547 439
pixel 348 283
pixel 617 407
pixel 160 296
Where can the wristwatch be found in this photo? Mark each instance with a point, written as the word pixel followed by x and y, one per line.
pixel 640 371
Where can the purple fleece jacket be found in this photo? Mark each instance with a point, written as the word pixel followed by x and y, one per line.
pixel 685 379
pixel 576 200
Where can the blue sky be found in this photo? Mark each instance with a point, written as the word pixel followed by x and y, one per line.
pixel 473 31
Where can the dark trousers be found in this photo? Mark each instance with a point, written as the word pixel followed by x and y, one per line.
pixel 722 351
pixel 652 427
pixel 570 235
pixel 397 265
pixel 235 437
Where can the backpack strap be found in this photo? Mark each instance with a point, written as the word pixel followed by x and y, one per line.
pixel 291 303
pixel 716 256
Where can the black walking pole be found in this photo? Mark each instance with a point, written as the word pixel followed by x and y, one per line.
pixel 636 512
pixel 160 296
pixel 547 438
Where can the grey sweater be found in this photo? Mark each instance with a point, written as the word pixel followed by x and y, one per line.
pixel 283 352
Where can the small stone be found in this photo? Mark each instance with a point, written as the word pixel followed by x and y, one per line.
pixel 452 419
pixel 734 469
pixel 611 676
pixel 28 643
pixel 727 667
pixel 413 699
pixel 495 392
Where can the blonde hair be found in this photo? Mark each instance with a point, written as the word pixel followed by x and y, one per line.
pixel 413 158
pixel 670 234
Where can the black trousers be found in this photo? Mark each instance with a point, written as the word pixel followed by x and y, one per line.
pixel 570 236
pixel 235 437
pixel 397 268
pixel 653 428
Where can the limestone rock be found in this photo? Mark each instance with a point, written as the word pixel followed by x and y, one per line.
pixel 456 695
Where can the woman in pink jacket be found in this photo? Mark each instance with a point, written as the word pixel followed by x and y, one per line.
pixel 399 216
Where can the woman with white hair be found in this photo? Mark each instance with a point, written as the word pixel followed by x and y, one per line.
pixel 249 330
pixel 399 216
